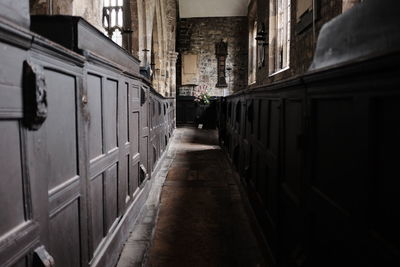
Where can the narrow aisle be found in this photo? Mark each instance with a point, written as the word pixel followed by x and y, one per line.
pixel 201 221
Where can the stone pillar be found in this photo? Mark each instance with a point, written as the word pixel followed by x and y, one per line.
pixel 161 76
pixel 173 56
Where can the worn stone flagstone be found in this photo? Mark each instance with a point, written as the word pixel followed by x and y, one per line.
pixel 201 219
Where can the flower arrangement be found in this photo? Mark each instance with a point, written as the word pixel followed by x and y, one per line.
pixel 201 94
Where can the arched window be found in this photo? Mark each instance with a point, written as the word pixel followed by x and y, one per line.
pixel 279 36
pixel 114 20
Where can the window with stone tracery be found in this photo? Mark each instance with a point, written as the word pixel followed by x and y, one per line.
pixel 113 19
pixel 252 53
pixel 279 36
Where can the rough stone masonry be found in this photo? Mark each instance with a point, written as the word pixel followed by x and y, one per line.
pixel 199 36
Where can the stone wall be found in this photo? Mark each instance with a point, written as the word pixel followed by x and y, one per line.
pixel 154 33
pixel 153 25
pixel 39 7
pixel 304 42
pixel 303 39
pixel 91 10
pixel 199 36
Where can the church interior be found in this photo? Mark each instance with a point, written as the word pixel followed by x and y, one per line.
pixel 199 133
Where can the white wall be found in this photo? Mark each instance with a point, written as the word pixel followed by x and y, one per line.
pixel 212 8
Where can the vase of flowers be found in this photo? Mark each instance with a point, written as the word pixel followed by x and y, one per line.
pixel 201 95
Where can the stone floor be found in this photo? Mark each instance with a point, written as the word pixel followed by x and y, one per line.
pixel 201 217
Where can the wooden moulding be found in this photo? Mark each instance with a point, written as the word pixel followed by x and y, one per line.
pixel 79 36
pixel 16 11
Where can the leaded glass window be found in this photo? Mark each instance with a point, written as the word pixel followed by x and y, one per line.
pixel 113 19
pixel 279 36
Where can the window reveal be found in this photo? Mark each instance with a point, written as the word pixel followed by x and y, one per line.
pixel 252 53
pixel 221 51
pixel 261 44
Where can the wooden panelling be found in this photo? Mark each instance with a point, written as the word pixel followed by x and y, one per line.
pixel 94 91
pixel 127 178
pixel 384 216
pixel 97 211
pixel 10 80
pixel 12 57
pixel 263 121
pixel 318 157
pixel 11 184
pixel 73 186
pixel 190 112
pixel 333 137
pixel 21 263
pixel 135 132
pixel 15 10
pixel 293 146
pixel 125 107
pixel 110 196
pixel 61 137
pixel 110 113
pixel 66 225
